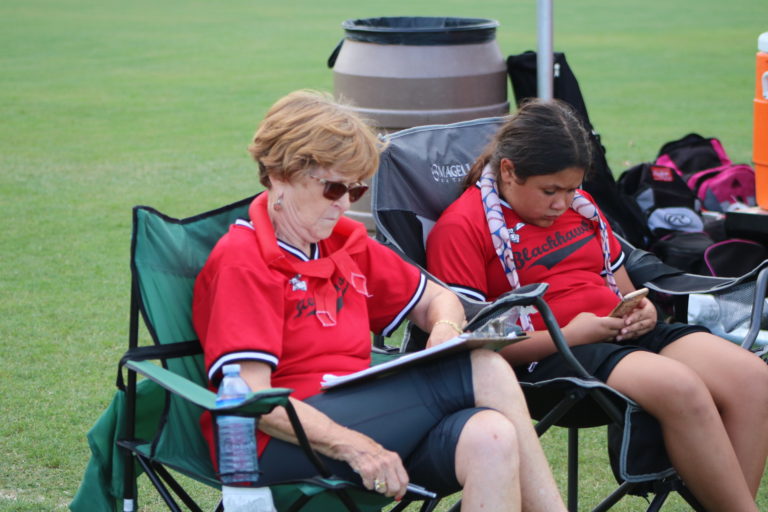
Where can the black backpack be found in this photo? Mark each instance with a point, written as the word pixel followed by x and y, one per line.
pixel 708 170
pixel 622 213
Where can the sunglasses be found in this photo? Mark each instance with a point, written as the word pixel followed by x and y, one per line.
pixel 334 190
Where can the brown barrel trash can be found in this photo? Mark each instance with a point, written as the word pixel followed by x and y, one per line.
pixel 400 72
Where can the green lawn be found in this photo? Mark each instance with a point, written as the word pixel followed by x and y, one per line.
pixel 108 104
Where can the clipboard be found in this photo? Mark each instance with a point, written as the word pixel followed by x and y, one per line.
pixel 460 343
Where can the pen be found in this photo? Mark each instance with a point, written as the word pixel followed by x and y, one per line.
pixel 421 491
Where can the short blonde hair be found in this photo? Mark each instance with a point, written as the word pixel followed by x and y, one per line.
pixel 308 128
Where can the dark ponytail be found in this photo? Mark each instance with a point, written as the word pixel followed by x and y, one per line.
pixel 542 137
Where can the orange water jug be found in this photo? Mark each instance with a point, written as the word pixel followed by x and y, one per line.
pixel 760 128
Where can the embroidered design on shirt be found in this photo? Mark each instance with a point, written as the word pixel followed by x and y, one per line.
pixel 297 284
pixel 513 236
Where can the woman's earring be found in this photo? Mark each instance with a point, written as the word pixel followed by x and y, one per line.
pixel 278 204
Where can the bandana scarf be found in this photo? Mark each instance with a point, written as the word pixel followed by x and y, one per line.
pixel 337 264
pixel 502 238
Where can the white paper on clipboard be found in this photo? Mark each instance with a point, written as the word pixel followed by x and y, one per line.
pixel 459 343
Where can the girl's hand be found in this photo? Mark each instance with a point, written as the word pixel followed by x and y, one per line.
pixel 590 328
pixel 639 321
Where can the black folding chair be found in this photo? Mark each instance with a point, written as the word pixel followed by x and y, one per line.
pixel 420 174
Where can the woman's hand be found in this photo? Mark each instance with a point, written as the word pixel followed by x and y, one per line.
pixel 590 328
pixel 365 456
pixel 639 321
pixel 381 470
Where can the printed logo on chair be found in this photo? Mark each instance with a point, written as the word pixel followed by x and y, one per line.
pixel 675 218
pixel 450 173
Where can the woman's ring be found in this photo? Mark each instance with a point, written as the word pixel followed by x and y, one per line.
pixel 379 486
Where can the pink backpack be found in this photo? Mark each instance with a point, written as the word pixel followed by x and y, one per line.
pixel 709 172
pixel 722 186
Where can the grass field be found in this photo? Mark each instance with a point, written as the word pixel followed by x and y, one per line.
pixel 109 104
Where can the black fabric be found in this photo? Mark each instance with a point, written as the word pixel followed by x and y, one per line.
pixel 692 153
pixel 709 172
pixel 643 454
pixel 733 258
pixel 684 250
pixel 599 359
pixel 643 266
pixel 543 397
pixel 434 400
pixel 522 70
pixel 409 234
pixel 622 213
pixel 678 232
pixel 667 186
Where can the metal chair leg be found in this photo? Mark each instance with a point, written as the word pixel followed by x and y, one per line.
pixel 573 469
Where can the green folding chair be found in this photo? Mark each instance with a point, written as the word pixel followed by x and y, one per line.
pixel 152 425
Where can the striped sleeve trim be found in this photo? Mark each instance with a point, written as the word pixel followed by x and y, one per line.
pixel 615 265
pixel 468 292
pixel 263 357
pixel 389 329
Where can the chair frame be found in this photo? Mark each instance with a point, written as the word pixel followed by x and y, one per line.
pixel 589 388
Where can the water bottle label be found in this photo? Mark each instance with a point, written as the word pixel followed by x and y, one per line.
pixel 237 449
pixel 229 402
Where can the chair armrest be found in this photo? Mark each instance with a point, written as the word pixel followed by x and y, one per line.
pixel 559 340
pixel 532 294
pixel 646 269
pixel 256 403
pixel 523 296
pixel 761 288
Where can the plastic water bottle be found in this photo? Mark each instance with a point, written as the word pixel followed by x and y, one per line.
pixel 238 462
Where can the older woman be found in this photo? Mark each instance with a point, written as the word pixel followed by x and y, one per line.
pixel 293 292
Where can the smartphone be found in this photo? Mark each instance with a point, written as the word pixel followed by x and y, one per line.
pixel 629 302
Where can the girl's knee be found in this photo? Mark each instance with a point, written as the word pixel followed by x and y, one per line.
pixel 677 390
pixel 686 386
pixel 747 384
pixel 751 372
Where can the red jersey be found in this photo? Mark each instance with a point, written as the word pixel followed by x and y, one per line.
pixel 567 255
pixel 255 299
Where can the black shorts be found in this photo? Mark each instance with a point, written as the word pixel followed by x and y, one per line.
pixel 418 412
pixel 599 359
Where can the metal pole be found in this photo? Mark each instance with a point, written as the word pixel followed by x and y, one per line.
pixel 544 57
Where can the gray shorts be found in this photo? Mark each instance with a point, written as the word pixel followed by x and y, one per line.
pixel 418 412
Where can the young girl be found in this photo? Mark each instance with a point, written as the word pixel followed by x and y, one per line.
pixel 523 219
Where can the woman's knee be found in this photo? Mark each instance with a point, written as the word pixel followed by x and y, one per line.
pixel 488 438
